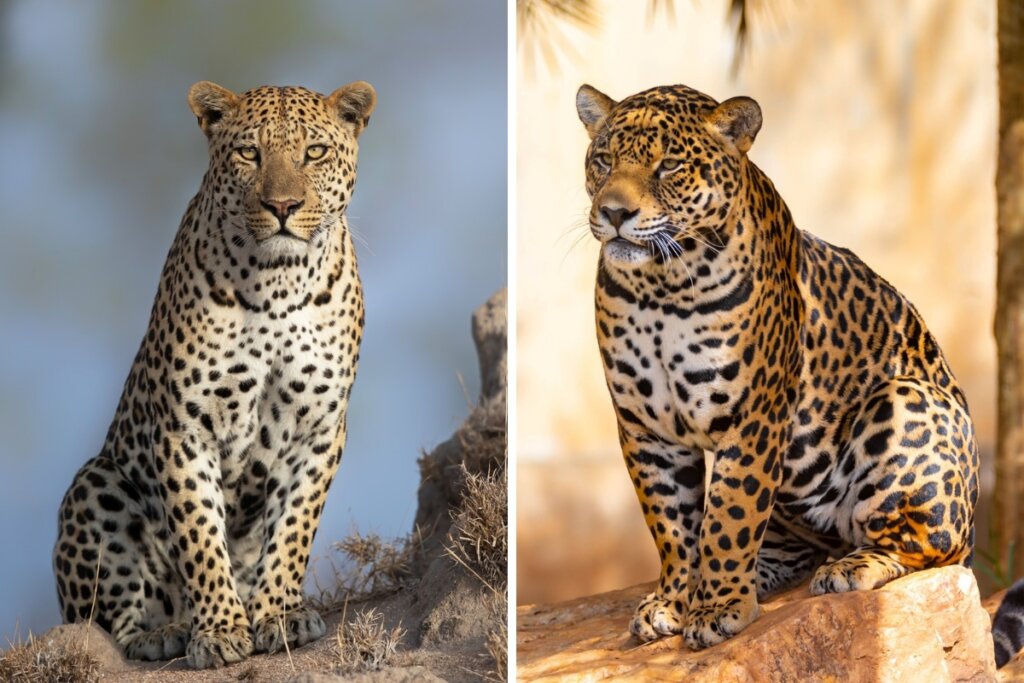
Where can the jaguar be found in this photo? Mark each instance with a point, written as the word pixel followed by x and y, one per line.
pixel 782 410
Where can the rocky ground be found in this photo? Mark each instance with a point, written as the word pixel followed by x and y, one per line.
pixel 450 599
pixel 930 626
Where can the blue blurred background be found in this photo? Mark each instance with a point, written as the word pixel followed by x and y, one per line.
pixel 100 155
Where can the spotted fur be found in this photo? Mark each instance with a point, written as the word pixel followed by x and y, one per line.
pixel 834 428
pixel 190 532
pixel 1008 625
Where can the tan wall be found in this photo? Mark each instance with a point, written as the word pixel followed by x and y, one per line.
pixel 879 131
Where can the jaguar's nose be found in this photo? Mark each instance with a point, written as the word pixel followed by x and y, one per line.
pixel 617 215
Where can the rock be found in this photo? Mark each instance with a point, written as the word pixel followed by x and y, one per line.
pixel 929 626
pixel 93 641
pixel 404 674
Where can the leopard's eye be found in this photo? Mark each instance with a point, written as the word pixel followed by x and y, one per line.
pixel 314 152
pixel 604 160
pixel 249 153
pixel 668 165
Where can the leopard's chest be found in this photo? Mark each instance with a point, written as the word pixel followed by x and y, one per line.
pixel 271 390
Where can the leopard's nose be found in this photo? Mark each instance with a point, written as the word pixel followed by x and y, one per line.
pixel 617 215
pixel 282 208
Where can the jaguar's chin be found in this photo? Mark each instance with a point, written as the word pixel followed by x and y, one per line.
pixel 622 252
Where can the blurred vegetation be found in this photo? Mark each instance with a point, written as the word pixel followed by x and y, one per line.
pixel 541 23
pixel 1008 524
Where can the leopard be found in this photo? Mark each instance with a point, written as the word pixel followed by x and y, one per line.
pixel 783 412
pixel 1008 625
pixel 189 533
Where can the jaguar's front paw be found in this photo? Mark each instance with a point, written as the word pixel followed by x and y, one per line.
pixel 213 648
pixel 656 617
pixel 297 627
pixel 712 624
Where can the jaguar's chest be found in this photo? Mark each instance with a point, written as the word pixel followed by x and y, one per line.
pixel 678 378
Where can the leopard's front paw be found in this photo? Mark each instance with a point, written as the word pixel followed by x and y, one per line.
pixel 712 624
pixel 165 642
pixel 656 617
pixel 215 647
pixel 296 627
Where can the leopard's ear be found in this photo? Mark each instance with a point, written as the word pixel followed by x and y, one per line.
pixel 354 103
pixel 737 119
pixel 210 102
pixel 593 107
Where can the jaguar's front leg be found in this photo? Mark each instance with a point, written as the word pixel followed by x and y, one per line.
pixel 669 483
pixel 741 494
pixel 276 605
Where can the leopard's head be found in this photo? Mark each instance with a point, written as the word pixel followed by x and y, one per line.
pixel 282 161
pixel 663 165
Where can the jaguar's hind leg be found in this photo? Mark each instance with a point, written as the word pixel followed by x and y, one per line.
pixel 783 560
pixel 863 569
pixel 913 488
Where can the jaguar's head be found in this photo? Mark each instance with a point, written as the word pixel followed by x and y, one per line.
pixel 663 165
pixel 282 160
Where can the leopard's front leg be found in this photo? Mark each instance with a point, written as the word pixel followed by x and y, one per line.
pixel 741 494
pixel 276 605
pixel 194 505
pixel 669 483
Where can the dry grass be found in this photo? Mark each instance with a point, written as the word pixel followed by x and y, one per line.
pixel 478 542
pixel 380 565
pixel 497 635
pixel 479 535
pixel 483 438
pixel 36 661
pixel 478 538
pixel 374 566
pixel 365 644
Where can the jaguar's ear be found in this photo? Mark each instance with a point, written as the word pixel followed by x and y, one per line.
pixel 737 119
pixel 593 107
pixel 354 103
pixel 210 102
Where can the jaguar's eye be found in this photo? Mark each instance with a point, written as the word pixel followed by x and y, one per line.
pixel 669 165
pixel 314 152
pixel 604 160
pixel 249 153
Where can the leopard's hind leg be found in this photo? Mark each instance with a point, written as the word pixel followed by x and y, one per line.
pixel 111 564
pixel 913 488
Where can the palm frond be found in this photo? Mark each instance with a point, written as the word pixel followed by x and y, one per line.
pixel 541 27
